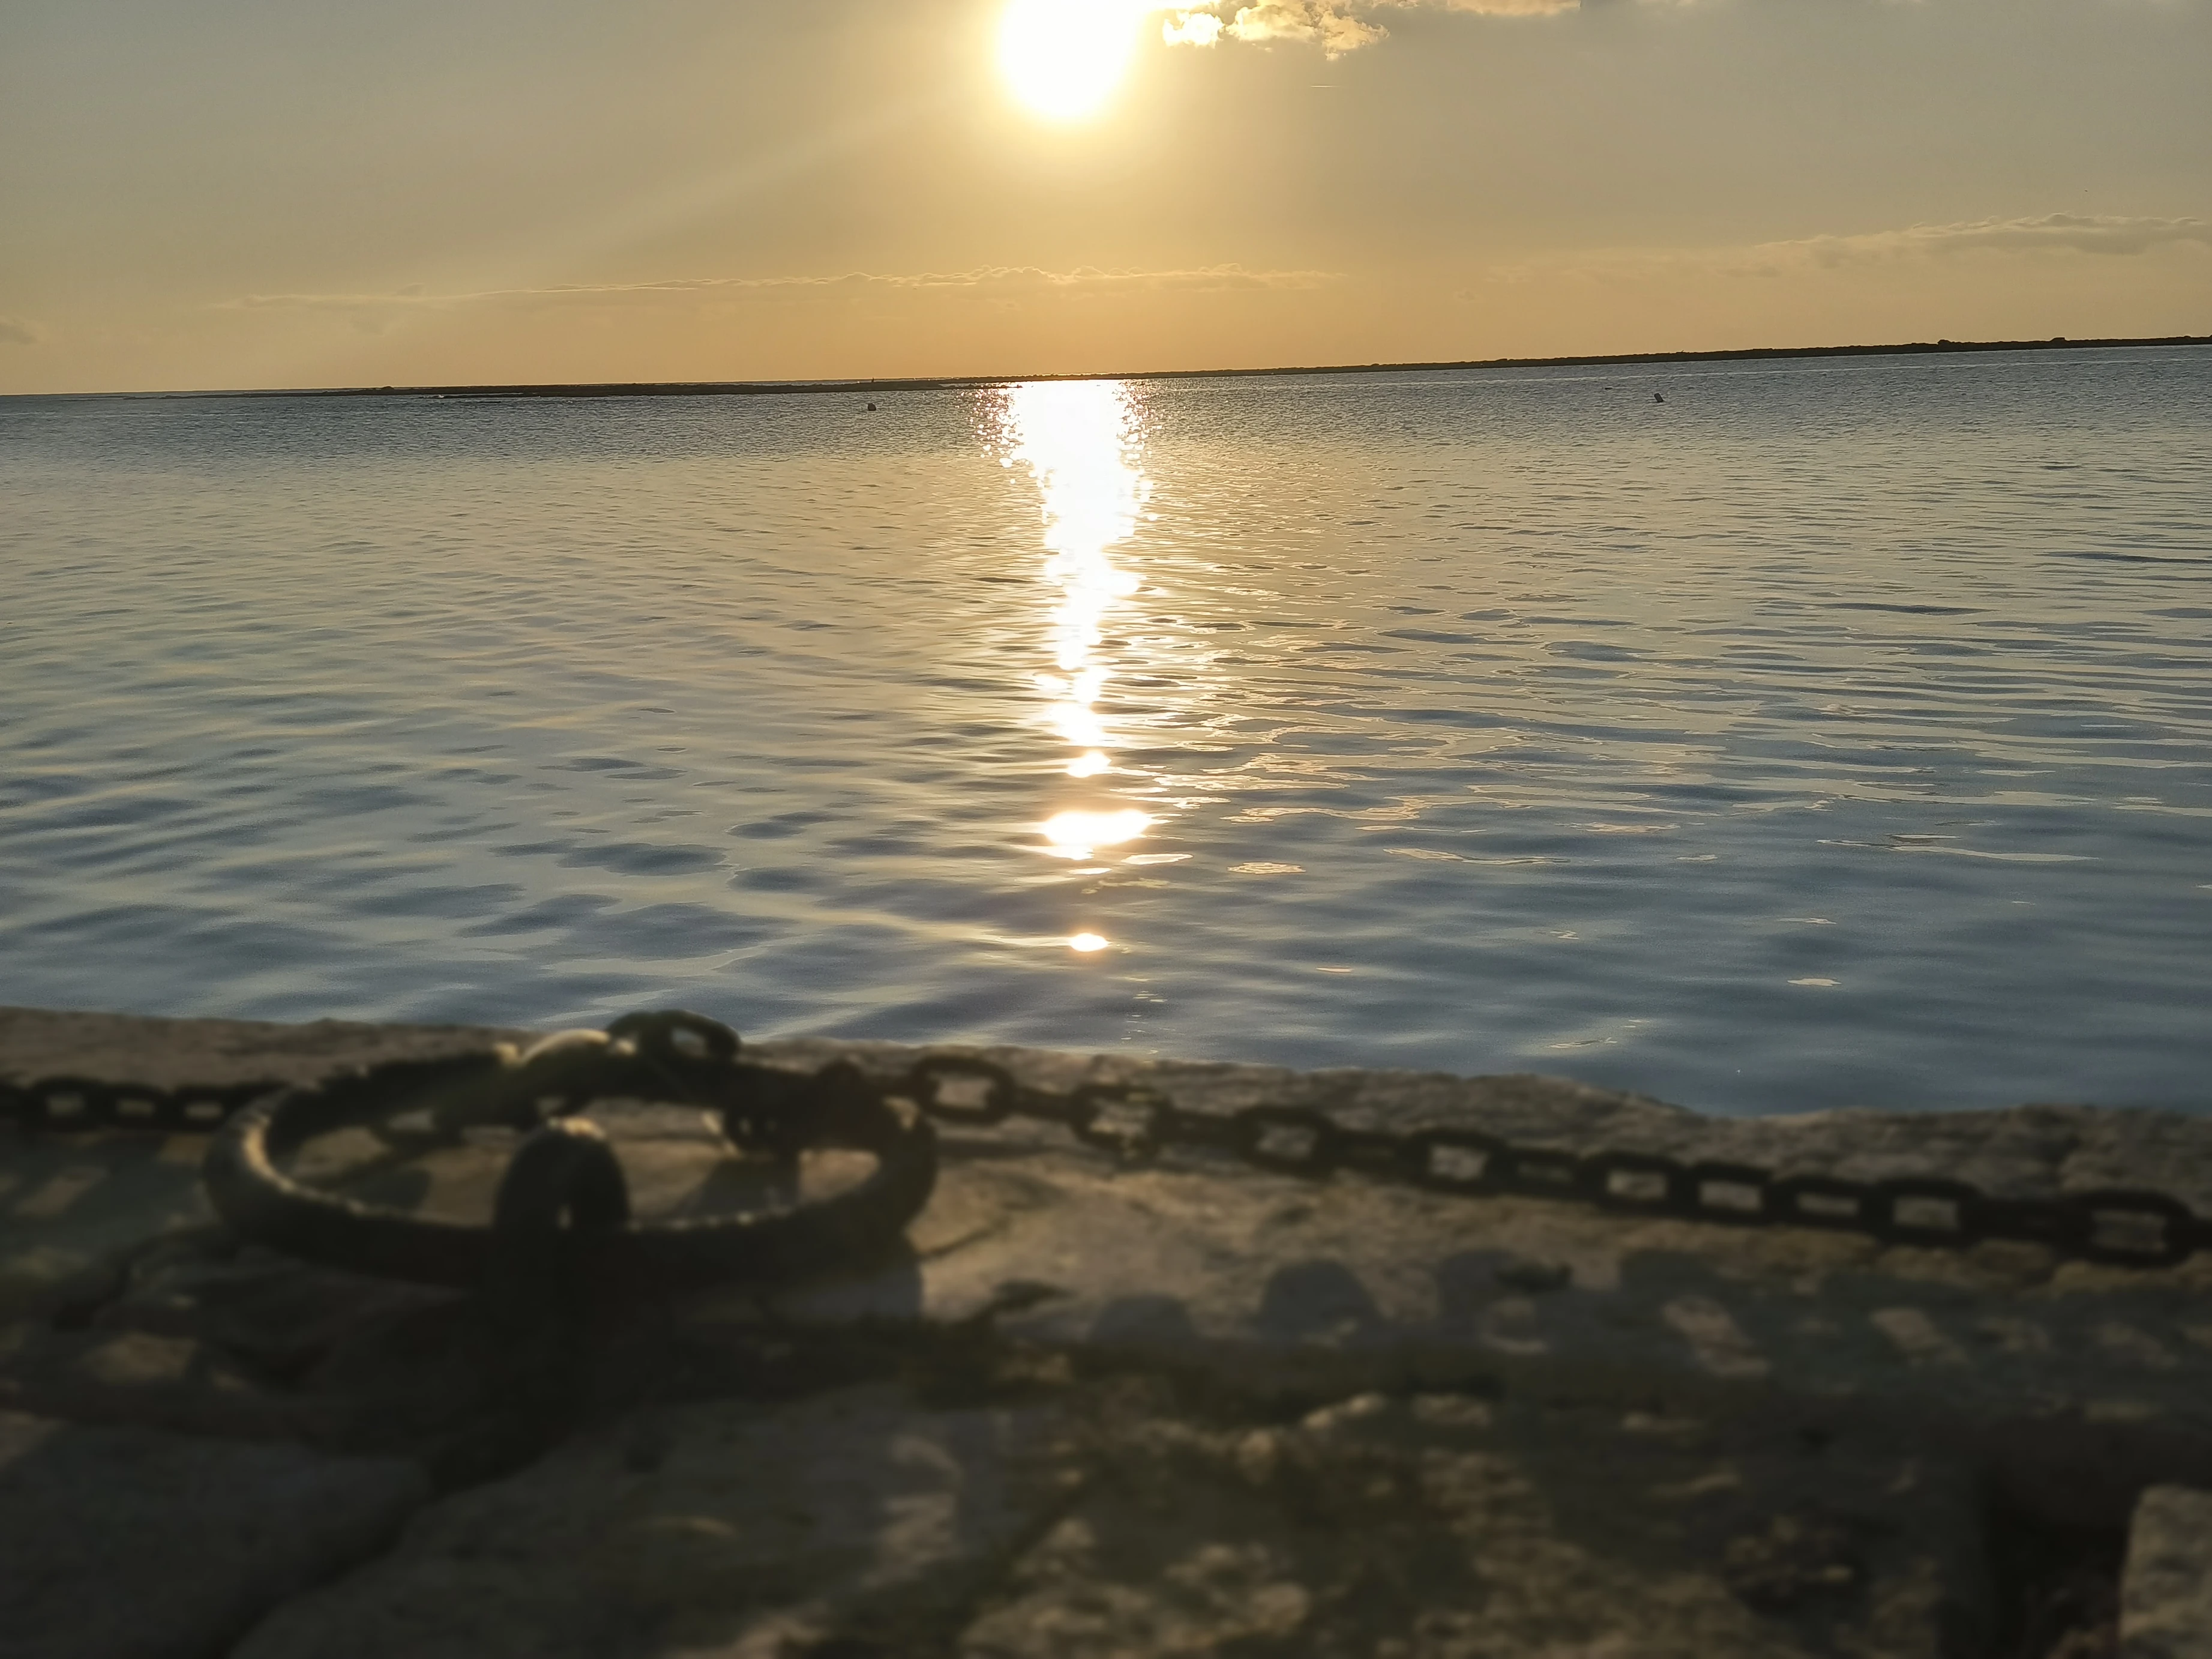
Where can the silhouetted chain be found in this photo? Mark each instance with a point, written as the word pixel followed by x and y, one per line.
pixel 2119 1225
pixel 562 1213
pixel 1135 1123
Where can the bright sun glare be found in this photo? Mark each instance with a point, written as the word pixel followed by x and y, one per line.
pixel 1063 57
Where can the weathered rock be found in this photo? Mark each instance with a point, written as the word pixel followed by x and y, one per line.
pixel 1767 1449
pixel 38 1043
pixel 1097 1520
pixel 2165 1595
pixel 96 1376
pixel 183 1328
pixel 1446 1525
pixel 2081 1383
pixel 2099 1377
pixel 74 1208
pixel 128 1543
pixel 284 1317
pixel 202 1337
pixel 709 1530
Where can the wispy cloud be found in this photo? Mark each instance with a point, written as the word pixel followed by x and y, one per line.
pixel 998 279
pixel 2049 233
pixel 1336 28
pixel 1341 26
pixel 1336 25
pixel 2076 233
pixel 13 330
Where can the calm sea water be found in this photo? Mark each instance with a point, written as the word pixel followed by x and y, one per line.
pixel 1831 732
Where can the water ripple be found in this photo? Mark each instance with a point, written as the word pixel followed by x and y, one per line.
pixel 1836 732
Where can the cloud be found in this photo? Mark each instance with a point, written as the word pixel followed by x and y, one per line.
pixel 993 279
pixel 1191 28
pixel 2069 231
pixel 1336 25
pixel 15 331
pixel 1331 25
pixel 2049 233
pixel 1341 26
pixel 1504 8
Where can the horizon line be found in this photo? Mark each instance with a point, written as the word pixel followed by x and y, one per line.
pixel 948 382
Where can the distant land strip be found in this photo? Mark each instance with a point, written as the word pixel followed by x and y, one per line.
pixel 766 388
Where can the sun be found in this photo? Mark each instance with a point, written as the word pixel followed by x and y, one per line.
pixel 1063 57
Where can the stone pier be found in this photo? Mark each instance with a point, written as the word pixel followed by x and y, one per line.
pixel 1101 1408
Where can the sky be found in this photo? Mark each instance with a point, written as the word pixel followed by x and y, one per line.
pixel 250 193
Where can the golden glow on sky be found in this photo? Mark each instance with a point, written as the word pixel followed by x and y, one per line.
pixel 853 189
pixel 1064 58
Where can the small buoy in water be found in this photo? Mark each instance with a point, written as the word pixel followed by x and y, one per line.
pixel 1656 398
pixel 871 408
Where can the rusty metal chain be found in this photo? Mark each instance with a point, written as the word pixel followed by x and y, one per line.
pixel 86 1104
pixel 528 1256
pixel 2121 1226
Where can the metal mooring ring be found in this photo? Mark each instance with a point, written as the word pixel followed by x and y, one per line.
pixel 760 1106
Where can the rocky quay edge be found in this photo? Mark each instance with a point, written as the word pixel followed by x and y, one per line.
pixel 1347 1284
pixel 2078 1384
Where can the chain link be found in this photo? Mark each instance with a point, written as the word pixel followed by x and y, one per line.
pixel 85 1105
pixel 2121 1226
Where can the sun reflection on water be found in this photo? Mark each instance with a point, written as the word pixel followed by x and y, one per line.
pixel 1079 438
pixel 1077 835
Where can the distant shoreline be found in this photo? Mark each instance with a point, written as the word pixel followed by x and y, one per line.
pixel 941 383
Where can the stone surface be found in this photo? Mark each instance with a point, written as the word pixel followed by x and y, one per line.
pixel 724 1529
pixel 1568 1431
pixel 74 1208
pixel 2104 1375
pixel 128 1543
pixel 2101 1378
pixel 2166 1595
pixel 1448 1526
pixel 1102 1520
pixel 37 1043
pixel 202 1336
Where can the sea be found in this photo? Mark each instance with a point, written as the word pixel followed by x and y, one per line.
pixel 1763 735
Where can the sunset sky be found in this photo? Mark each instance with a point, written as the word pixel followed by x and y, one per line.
pixel 257 193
